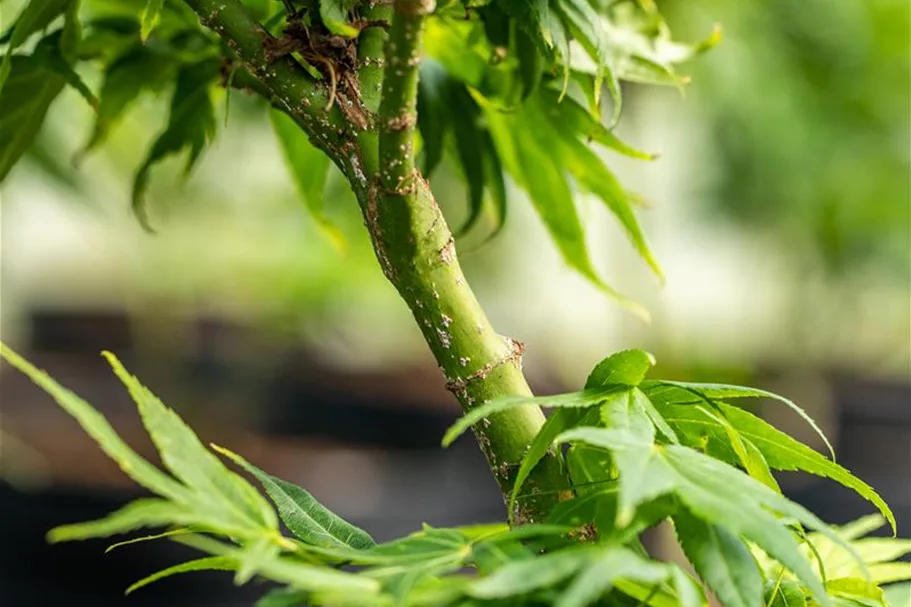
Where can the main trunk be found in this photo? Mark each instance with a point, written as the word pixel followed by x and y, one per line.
pixel 369 133
pixel 417 253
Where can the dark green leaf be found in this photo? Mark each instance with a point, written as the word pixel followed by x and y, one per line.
pixel 469 141
pixel 24 100
pixel 721 559
pixel 531 63
pixel 138 69
pixel 190 126
pixel 496 185
pixel 532 16
pixel 556 424
pixel 433 113
pixel 305 517
pixel 50 55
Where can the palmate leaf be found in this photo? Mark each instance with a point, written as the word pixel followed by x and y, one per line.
pixel 305 517
pixel 699 482
pixel 524 121
pixel 445 106
pixel 880 556
pixel 684 392
pixel 210 496
pixel 778 450
pixel 584 24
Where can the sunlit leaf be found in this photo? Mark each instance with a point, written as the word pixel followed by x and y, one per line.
pixel 626 368
pixel 683 392
pixel 97 427
pixel 150 17
pixel 211 563
pixel 146 512
pixel 780 451
pixel 648 470
pixel 334 15
pixel 526 146
pixel 189 460
pixel 786 593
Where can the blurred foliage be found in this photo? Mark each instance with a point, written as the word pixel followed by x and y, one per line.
pixel 809 108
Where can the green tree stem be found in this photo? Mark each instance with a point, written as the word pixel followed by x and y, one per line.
pixel 410 236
